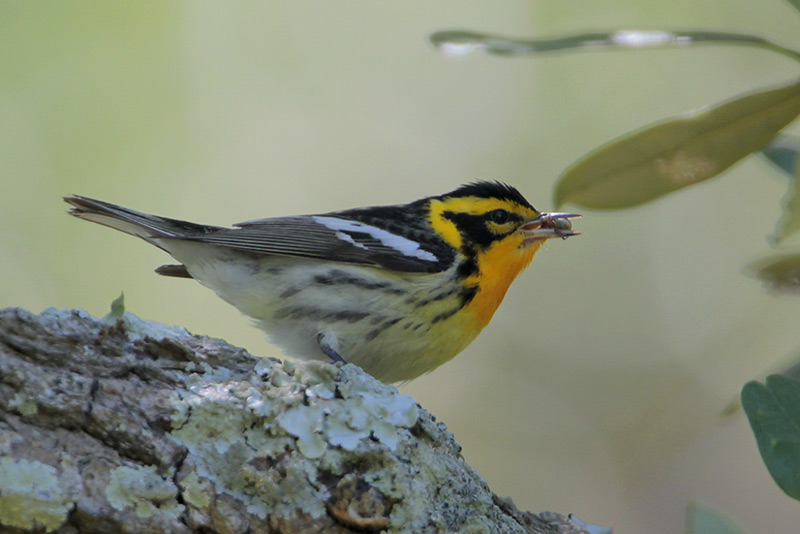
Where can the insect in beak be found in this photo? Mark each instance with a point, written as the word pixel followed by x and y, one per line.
pixel 549 225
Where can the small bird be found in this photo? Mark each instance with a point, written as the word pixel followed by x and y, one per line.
pixel 397 290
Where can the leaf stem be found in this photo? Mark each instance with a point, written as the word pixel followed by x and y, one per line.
pixel 463 42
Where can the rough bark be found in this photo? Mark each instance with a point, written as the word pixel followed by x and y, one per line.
pixel 123 425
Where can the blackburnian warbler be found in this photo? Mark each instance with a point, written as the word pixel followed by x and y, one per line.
pixel 397 290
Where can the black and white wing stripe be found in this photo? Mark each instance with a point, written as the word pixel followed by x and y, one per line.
pixel 331 238
pixel 369 236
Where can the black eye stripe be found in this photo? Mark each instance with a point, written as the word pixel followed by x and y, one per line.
pixel 478 229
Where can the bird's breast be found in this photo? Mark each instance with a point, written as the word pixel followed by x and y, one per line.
pixel 498 266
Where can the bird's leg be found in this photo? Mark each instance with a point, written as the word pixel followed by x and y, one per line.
pixel 330 345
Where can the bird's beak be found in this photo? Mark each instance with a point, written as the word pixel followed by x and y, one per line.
pixel 549 225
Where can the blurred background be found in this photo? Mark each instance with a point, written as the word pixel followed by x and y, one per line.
pixel 600 386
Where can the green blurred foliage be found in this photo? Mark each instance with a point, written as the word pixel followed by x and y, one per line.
pixel 701 519
pixel 773 410
pixel 779 272
pixel 782 152
pixel 679 152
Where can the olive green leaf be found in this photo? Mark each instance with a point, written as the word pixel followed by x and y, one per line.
pixel 701 519
pixel 463 42
pixel 782 152
pixel 779 272
pixel 795 3
pixel 773 410
pixel 679 152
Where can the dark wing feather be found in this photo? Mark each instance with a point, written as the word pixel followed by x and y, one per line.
pixel 307 237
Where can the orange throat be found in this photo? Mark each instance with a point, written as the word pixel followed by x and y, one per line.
pixel 498 267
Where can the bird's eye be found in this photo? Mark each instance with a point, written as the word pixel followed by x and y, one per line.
pixel 498 216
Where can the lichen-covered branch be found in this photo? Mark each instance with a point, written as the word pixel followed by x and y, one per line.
pixel 123 425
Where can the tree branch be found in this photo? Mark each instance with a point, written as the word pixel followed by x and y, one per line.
pixel 124 425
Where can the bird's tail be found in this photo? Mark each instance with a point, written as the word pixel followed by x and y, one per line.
pixel 148 227
pixel 152 228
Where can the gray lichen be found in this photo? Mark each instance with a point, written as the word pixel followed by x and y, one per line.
pixel 30 495
pixel 142 489
pixel 161 431
pixel 322 412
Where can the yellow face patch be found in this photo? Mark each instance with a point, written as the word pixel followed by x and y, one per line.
pixel 473 206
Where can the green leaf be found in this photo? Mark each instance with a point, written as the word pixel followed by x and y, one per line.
pixel 795 3
pixel 783 153
pixel 780 272
pixel 789 222
pixel 662 158
pixel 117 308
pixel 774 414
pixel 463 42
pixel 701 519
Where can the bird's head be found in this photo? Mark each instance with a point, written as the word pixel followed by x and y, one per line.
pixel 486 215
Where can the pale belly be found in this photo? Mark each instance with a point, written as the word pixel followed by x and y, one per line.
pixel 383 323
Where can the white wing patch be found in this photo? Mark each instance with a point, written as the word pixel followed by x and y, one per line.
pixel 399 243
pixel 347 237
